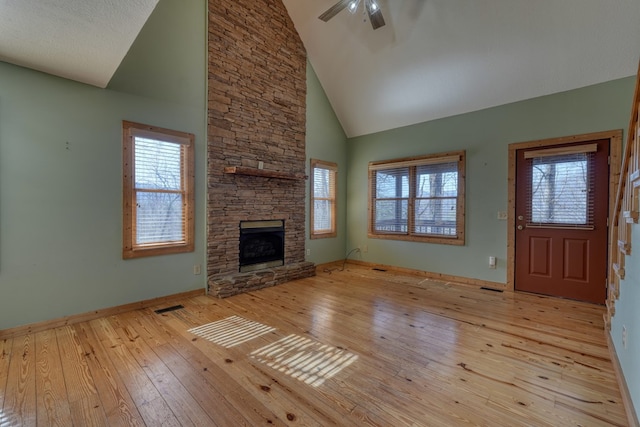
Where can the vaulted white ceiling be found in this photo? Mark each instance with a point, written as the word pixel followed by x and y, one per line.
pixel 437 58
pixel 432 59
pixel 82 40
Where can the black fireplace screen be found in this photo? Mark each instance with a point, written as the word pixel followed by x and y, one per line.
pixel 261 244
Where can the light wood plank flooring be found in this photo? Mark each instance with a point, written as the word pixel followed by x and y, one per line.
pixel 347 348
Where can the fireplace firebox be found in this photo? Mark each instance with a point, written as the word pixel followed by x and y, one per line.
pixel 261 244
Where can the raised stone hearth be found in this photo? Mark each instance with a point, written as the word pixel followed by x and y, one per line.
pixel 256 158
pixel 226 286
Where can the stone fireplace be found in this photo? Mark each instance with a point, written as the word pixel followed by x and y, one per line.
pixel 256 140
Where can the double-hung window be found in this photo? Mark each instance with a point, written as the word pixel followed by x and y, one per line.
pixel 323 199
pixel 419 198
pixel 158 191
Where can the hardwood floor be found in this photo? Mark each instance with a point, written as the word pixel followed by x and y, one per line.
pixel 354 347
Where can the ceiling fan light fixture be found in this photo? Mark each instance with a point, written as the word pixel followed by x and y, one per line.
pixel 353 6
pixel 371 11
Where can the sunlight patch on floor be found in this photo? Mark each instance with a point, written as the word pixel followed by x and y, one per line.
pixel 304 359
pixel 5 421
pixel 231 331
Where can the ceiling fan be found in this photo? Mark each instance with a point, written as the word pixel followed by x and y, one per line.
pixel 371 7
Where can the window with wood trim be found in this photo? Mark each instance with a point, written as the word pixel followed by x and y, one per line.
pixel 418 198
pixel 158 191
pixel 323 199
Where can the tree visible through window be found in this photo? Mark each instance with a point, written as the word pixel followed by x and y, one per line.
pixel 418 199
pixel 323 199
pixel 392 200
pixel 436 199
pixel 560 190
pixel 158 191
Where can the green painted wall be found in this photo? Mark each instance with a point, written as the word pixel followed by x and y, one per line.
pixel 485 136
pixel 168 59
pixel 61 184
pixel 628 315
pixel 325 141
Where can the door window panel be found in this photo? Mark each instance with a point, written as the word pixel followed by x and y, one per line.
pixel 561 190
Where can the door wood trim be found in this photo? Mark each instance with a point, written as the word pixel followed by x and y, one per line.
pixel 615 152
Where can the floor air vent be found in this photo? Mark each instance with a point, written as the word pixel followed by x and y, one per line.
pixel 167 309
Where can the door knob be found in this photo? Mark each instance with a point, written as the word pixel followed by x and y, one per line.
pixel 520 227
pixel 520 217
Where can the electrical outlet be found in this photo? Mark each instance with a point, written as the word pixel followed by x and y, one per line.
pixel 502 215
pixel 492 262
pixel 624 337
pixel 308 252
pixel 197 270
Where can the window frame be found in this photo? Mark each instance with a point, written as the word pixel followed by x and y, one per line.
pixel 130 249
pixel 563 155
pixel 412 163
pixel 333 168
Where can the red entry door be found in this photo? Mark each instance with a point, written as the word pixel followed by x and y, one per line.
pixel 562 198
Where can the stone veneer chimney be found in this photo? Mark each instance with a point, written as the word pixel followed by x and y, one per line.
pixel 256 116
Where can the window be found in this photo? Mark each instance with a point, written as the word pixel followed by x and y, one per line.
pixel 562 186
pixel 323 199
pixel 419 199
pixel 158 193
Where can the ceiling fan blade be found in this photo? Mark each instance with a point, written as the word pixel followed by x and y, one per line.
pixel 375 14
pixel 334 10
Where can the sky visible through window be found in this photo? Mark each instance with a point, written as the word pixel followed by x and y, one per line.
pixel 435 199
pixel 392 199
pixel 322 195
pixel 159 200
pixel 559 190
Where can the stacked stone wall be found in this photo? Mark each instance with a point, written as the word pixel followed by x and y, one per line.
pixel 256 117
